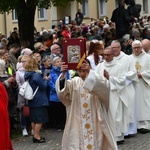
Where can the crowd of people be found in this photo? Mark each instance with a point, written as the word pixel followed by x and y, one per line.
pixel 108 101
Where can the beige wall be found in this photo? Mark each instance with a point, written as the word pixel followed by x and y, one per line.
pixel 93 12
pixel 10 24
pixel 141 2
pixel 110 6
pixel 42 23
pixel 2 26
pixel 93 9
pixel 74 8
pixel 6 24
pixel 58 13
pixel 62 12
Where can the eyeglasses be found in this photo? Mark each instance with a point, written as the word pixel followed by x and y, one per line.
pixel 116 47
pixel 56 48
pixel 107 54
pixel 136 47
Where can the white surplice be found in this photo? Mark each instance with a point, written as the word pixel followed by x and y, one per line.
pixel 117 105
pixel 86 125
pixel 131 81
pixel 143 88
pixel 124 60
pixel 119 100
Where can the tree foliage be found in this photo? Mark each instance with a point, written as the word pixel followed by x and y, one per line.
pixel 9 5
pixel 26 12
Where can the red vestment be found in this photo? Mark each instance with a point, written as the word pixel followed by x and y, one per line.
pixel 5 141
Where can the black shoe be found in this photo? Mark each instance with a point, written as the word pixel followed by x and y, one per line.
pixel 120 142
pixel 42 140
pixel 143 131
pixel 129 136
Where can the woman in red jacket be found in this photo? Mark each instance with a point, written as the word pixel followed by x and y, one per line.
pixel 5 142
pixel 66 32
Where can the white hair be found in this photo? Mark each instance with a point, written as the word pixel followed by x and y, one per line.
pixel 56 58
pixel 136 42
pixel 126 36
pixel 116 41
pixel 106 26
pixel 54 46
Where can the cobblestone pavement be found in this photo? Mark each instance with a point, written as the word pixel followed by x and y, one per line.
pixel 53 142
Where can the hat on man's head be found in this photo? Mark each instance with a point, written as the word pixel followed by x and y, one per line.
pixel 26 51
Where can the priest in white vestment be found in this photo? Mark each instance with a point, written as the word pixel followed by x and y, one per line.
pixel 113 70
pixel 141 65
pixel 87 126
pixel 131 81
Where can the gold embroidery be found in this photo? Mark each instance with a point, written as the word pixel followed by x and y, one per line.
pixel 137 66
pixel 87 126
pixel 89 132
pixel 89 146
pixel 84 96
pixel 86 117
pixel 87 112
pixel 85 105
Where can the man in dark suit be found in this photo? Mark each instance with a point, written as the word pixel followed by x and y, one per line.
pixel 122 20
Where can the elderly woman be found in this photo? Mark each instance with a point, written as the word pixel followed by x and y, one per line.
pixel 57 109
pixel 46 65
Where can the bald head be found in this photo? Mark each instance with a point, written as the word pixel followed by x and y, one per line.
pixel 146 45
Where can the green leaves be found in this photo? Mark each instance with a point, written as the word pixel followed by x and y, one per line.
pixel 9 5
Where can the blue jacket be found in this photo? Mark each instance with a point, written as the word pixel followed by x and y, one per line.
pixel 54 74
pixel 40 99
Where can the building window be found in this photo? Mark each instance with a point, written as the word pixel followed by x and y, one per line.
pixel 85 8
pixel 145 6
pixel 102 8
pixel 42 14
pixel 117 5
pixel 14 16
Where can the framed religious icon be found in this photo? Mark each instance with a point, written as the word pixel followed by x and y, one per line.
pixel 74 52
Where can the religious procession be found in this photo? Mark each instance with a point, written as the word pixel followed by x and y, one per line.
pixel 88 84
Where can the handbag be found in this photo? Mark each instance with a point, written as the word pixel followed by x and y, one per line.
pixel 25 110
pixel 26 91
